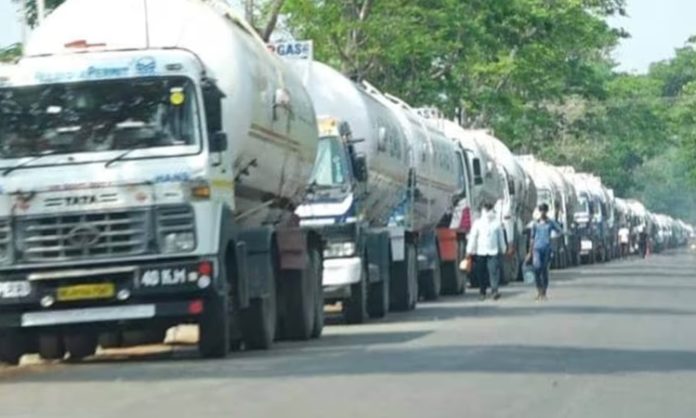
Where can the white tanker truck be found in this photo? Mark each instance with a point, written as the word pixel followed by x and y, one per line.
pixel 436 181
pixel 516 207
pixel 359 178
pixel 373 200
pixel 153 153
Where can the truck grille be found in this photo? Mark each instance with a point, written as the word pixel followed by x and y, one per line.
pixel 5 238
pixel 87 235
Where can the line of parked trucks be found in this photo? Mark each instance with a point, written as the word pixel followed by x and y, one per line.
pixel 159 166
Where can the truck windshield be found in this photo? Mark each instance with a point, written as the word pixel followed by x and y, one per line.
pixel 97 116
pixel 544 196
pixel 331 164
pixel 583 205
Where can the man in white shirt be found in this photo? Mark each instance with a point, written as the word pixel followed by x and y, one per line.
pixel 486 244
pixel 624 235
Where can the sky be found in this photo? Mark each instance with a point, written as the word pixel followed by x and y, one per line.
pixel 657 27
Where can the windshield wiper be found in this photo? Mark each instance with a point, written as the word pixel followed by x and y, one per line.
pixel 121 156
pixel 27 162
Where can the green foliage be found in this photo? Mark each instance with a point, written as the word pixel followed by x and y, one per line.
pixel 11 53
pixel 30 9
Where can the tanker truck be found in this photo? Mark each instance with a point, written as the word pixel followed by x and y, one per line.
pixel 549 193
pixel 359 176
pixel 516 207
pixel 153 156
pixel 482 182
pixel 434 185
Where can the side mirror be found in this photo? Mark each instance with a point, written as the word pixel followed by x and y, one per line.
pixel 360 168
pixel 218 142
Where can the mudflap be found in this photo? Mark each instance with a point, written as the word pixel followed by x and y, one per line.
pixel 448 243
pixel 292 247
pixel 428 251
pixel 259 248
pixel 377 248
pixel 377 251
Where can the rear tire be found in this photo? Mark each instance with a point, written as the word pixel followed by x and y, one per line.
pixel 318 268
pixel 430 282
pixel 298 292
pixel 453 279
pixel 214 327
pixel 378 296
pixel 80 346
pixel 51 347
pixel 404 281
pixel 12 348
pixel 355 307
pixel 259 321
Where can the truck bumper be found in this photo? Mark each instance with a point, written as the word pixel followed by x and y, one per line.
pixel 104 315
pixel 339 274
pixel 167 291
pixel 586 246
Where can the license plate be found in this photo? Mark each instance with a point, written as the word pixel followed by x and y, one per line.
pixel 85 291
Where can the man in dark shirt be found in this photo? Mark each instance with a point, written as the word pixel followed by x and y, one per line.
pixel 540 249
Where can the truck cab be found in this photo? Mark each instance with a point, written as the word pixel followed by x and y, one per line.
pixel 333 203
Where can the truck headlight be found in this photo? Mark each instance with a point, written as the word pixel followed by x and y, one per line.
pixel 339 249
pixel 179 242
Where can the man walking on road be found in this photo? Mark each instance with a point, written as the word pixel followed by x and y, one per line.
pixel 624 238
pixel 486 245
pixel 540 249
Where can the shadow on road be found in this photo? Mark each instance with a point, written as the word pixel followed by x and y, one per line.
pixel 495 359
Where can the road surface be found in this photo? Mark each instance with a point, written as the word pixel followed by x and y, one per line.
pixel 614 340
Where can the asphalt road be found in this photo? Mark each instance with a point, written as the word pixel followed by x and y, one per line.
pixel 614 340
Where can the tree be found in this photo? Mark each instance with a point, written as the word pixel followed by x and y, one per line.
pixel 11 53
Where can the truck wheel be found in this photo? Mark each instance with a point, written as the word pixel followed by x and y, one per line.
pixel 143 337
pixel 378 299
pixel 453 279
pixel 214 327
pixel 51 347
pixel 12 348
pixel 355 307
pixel 260 319
pixel 298 293
pixel 318 268
pixel 80 345
pixel 111 339
pixel 430 282
pixel 404 281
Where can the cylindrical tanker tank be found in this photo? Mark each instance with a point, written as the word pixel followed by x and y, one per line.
pixel 264 106
pixel 432 160
pixel 360 177
pixel 483 174
pixel 436 179
pixel 516 207
pixel 170 134
pixel 375 133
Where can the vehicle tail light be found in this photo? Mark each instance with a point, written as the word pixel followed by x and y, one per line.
pixel 465 223
pixel 195 307
pixel 205 268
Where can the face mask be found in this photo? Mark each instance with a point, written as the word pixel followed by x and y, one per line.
pixel 490 215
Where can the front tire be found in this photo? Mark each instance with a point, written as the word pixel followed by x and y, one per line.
pixel 355 307
pixel 51 347
pixel 12 348
pixel 404 281
pixel 80 346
